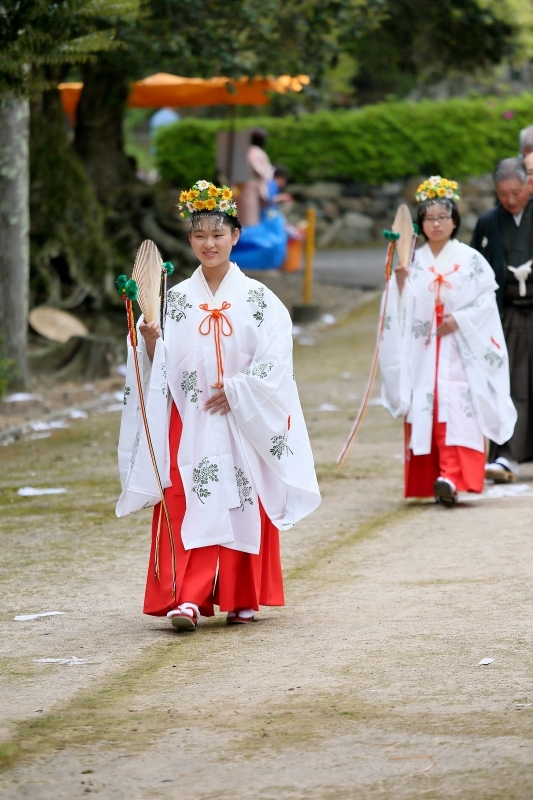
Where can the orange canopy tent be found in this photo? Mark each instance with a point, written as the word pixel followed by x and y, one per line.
pixel 164 90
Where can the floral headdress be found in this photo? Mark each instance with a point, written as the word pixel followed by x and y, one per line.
pixel 437 188
pixel 205 198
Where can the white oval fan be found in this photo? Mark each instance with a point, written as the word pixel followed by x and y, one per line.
pixel 147 274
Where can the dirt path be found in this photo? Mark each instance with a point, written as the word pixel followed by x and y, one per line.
pixel 365 685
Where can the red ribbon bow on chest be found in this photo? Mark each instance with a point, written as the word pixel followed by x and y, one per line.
pixel 437 284
pixel 440 281
pixel 218 321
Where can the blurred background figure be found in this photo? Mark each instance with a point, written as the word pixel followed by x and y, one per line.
pixel 278 184
pixel 263 240
pixel 165 116
pixel 504 235
pixel 526 141
pixel 254 194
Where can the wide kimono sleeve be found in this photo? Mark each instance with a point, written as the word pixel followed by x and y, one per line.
pixel 137 461
pixel 483 350
pixel 269 418
pixel 394 361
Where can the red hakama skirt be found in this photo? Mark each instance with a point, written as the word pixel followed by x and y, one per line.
pixel 462 465
pixel 214 574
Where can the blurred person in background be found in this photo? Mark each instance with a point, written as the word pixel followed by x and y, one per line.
pixel 526 141
pixel 277 185
pixel 254 195
pixel 504 235
pixel 443 358
pixel 528 163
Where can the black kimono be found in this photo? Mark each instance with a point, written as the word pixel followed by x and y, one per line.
pixel 506 244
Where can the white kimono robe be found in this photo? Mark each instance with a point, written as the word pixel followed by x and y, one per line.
pixel 473 377
pixel 260 449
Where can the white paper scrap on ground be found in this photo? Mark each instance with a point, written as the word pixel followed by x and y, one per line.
pixel 485 662
pixel 28 617
pixel 70 662
pixel 376 401
pixel 29 491
pixel 505 490
pixel 327 407
pixel 77 413
pixel 119 396
pixel 21 397
pixel 114 407
pixel 306 340
pixel 40 426
pixel 328 319
pixel 346 376
pixel 296 329
pixel 120 369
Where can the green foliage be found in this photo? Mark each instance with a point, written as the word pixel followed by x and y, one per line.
pixel 8 371
pixel 37 33
pixel 420 42
pixel 69 253
pixel 376 144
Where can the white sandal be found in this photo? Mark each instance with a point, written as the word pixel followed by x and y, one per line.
pixel 240 616
pixel 184 617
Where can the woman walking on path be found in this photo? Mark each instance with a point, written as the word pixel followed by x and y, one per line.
pixel 443 358
pixel 227 428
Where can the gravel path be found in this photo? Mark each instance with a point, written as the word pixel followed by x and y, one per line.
pixel 366 685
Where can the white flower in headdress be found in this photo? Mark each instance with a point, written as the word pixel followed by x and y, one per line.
pixel 224 205
pixel 434 180
pixel 202 185
pixel 190 207
pixel 448 193
pixel 233 208
pixel 423 196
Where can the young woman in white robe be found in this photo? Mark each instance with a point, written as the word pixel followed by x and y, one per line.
pixel 228 434
pixel 443 357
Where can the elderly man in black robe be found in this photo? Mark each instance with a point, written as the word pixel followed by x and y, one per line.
pixel 504 235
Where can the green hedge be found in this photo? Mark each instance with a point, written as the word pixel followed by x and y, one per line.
pixel 376 144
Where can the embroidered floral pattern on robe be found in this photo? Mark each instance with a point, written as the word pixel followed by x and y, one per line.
pixel 421 328
pixel 201 475
pixel 177 305
pixel 477 269
pixel 190 385
pixel 244 487
pixel 493 358
pixel 280 446
pixel 257 296
pixel 465 402
pixel 259 370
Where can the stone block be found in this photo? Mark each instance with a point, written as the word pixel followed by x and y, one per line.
pixel 323 190
pixel 356 228
pixel 351 204
pixel 330 209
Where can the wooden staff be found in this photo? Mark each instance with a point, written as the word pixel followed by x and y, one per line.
pixel 401 237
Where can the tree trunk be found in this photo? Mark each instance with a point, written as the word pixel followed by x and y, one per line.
pixel 99 119
pixel 14 229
